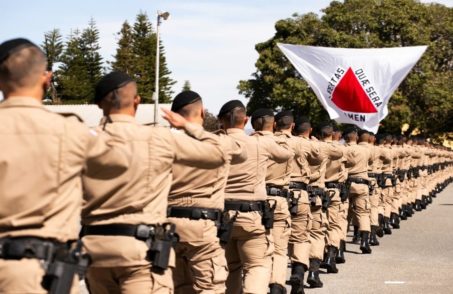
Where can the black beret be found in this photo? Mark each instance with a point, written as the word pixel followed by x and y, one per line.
pixel 262 112
pixel 325 124
pixel 184 98
pixel 110 82
pixel 350 129
pixel 361 132
pixel 284 113
pixel 9 47
pixel 302 119
pixel 230 105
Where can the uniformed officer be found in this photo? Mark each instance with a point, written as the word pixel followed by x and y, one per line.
pixel 358 157
pixel 335 186
pixel 374 173
pixel 299 242
pixel 125 228
pixel 278 194
pixel 250 248
pixel 196 203
pixel 42 159
pixel 386 182
pixel 316 193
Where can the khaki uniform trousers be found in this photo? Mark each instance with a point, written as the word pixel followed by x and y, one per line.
pixel 333 230
pixel 361 207
pixel 249 254
pixel 128 279
pixel 25 276
pixel 374 203
pixel 317 231
pixel 387 199
pixel 280 234
pixel 299 241
pixel 343 213
pixel 200 259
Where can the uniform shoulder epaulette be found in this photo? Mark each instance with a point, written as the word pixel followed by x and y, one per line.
pixel 151 124
pixel 70 114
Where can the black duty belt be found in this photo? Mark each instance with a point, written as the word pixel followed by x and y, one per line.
pixel 315 191
pixel 274 191
pixel 140 232
pixel 194 213
pixel 373 175
pixel 387 176
pixel 333 185
pixel 358 180
pixel 244 206
pixel 298 185
pixel 29 247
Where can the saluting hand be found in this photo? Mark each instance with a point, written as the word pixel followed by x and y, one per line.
pixel 175 119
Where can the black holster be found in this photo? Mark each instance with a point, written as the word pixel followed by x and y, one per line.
pixel 224 229
pixel 159 252
pixel 344 191
pixel 268 214
pixel 293 204
pixel 325 199
pixel 60 272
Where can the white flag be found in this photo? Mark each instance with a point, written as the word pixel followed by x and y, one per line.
pixel 353 85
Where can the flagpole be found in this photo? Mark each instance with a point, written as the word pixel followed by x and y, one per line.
pixel 165 16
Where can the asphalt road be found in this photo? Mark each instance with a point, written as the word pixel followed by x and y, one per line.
pixel 418 258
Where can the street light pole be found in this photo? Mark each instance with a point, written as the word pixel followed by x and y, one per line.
pixel 160 16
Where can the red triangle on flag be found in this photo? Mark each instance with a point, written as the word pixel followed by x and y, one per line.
pixel 349 95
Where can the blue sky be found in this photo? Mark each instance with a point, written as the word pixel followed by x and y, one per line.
pixel 209 43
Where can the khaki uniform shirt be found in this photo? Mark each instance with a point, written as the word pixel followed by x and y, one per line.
pixel 139 196
pixel 334 165
pixel 246 181
pixel 195 187
pixel 309 151
pixel 358 157
pixel 41 163
pixel 387 159
pixel 278 174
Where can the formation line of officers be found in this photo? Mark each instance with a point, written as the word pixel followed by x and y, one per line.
pixel 135 208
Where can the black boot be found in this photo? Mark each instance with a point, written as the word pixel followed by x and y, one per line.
pixel 429 198
pixel 313 274
pixel 418 205
pixel 373 239
pixel 297 278
pixel 340 254
pixel 403 214
pixel 356 237
pixel 432 194
pixel 364 246
pixel 395 220
pixel 387 229
pixel 278 289
pixel 424 203
pixel 409 211
pixel 380 229
pixel 329 261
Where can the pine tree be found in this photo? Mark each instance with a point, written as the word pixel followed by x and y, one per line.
pixel 53 48
pixel 186 86
pixel 93 60
pixel 136 55
pixel 73 79
pixel 124 57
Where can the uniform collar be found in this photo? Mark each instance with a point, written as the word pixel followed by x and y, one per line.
pixel 21 101
pixel 364 143
pixel 351 143
pixel 121 118
pixel 285 133
pixel 327 140
pixel 264 133
pixel 234 131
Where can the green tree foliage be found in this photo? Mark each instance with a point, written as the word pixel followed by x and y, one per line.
pixel 423 100
pixel 136 55
pixel 81 66
pixel 210 122
pixel 53 48
pixel 186 86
